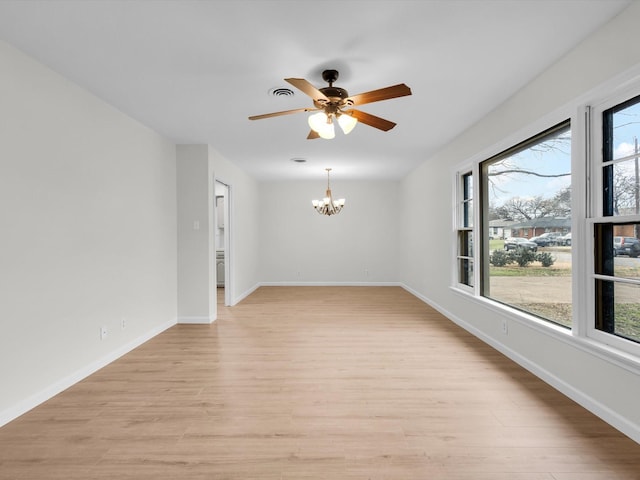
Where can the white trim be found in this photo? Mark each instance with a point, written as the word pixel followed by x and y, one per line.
pixel 614 419
pixel 229 263
pixel 244 295
pixel 313 284
pixel 331 284
pixel 604 100
pixel 195 320
pixel 610 354
pixel 52 390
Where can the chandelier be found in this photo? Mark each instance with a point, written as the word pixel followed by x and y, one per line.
pixel 328 206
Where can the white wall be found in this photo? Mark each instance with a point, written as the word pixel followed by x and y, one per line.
pixel 359 245
pixel 199 166
pixel 245 240
pixel 196 288
pixel 607 387
pixel 88 218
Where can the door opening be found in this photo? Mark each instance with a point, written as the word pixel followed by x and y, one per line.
pixel 222 243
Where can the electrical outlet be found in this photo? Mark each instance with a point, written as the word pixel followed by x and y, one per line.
pixel 103 333
pixel 505 327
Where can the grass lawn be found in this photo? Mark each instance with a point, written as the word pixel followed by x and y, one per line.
pixel 627 315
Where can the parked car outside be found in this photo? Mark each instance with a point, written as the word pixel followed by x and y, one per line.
pixel 514 243
pixel 547 239
pixel 622 245
pixel 565 240
pixel 634 251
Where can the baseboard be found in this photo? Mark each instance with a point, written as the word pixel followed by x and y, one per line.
pixel 331 284
pixel 244 295
pixel 617 421
pixel 312 284
pixel 195 320
pixel 51 391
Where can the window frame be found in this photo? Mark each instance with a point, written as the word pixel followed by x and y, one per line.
pixel 585 201
pixel 483 167
pixel 597 215
pixel 461 219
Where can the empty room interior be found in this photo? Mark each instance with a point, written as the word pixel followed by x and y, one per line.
pixel 331 239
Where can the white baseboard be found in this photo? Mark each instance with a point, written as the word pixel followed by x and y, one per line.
pixel 195 320
pixel 629 428
pixel 49 392
pixel 244 295
pixel 331 284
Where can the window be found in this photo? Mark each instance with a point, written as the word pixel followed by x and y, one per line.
pixel 514 218
pixel 465 230
pixel 616 226
pixel 526 219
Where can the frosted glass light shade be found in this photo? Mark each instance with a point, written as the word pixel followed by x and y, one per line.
pixel 320 123
pixel 347 123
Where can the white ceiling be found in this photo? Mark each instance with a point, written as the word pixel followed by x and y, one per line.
pixel 195 70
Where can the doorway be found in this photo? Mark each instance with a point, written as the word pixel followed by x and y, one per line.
pixel 221 239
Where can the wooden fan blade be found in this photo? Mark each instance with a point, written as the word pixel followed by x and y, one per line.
pixel 386 93
pixel 285 112
pixel 312 135
pixel 304 86
pixel 371 120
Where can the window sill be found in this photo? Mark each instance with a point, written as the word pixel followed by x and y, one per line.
pixel 589 345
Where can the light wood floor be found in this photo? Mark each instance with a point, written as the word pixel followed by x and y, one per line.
pixel 315 383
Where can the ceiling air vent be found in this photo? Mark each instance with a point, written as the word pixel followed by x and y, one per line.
pixel 281 92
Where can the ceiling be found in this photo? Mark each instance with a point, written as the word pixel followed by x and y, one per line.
pixel 195 70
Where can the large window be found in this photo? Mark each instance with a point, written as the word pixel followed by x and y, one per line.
pixel 526 218
pixel 616 226
pixel 556 223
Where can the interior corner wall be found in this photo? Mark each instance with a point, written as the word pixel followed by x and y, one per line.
pixel 196 297
pixel 88 239
pixel 606 387
pixel 358 246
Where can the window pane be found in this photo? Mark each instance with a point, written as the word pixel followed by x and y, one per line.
pixel 468 186
pixel 622 195
pixel 528 192
pixel 623 125
pixel 618 249
pixel 465 273
pixel 465 242
pixel 621 180
pixel 618 309
pixel 468 213
pixel 467 198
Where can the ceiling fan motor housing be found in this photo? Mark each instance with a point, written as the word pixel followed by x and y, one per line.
pixel 337 96
pixel 330 76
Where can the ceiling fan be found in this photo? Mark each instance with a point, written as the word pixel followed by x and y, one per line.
pixel 334 103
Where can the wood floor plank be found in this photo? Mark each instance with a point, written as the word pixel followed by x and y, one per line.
pixel 315 383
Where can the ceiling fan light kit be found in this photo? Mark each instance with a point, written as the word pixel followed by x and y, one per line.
pixel 322 124
pixel 334 103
